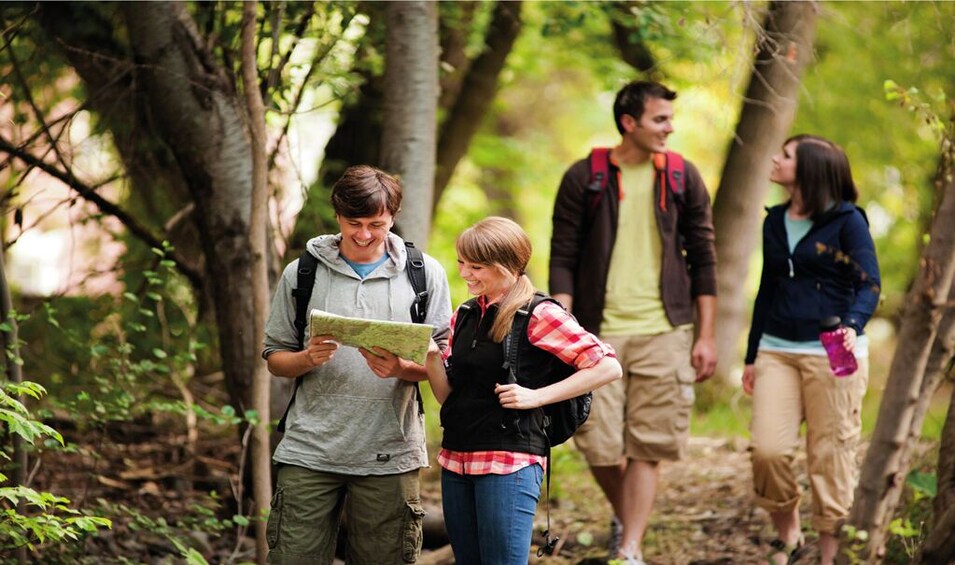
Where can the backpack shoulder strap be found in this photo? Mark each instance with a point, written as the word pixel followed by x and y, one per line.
pixel 676 170
pixel 414 265
pixel 599 169
pixel 302 293
pixel 512 342
pixel 671 169
pixel 416 272
pixel 599 178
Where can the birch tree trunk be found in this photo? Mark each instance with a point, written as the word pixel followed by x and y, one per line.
pixel 258 244
pixel 785 48
pixel 411 104
pixel 886 462
pixel 197 112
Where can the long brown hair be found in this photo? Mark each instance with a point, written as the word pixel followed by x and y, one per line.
pixel 502 244
pixel 823 174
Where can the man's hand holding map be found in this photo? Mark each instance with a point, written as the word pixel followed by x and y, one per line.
pixel 404 339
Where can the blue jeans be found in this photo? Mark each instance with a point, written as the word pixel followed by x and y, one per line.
pixel 490 518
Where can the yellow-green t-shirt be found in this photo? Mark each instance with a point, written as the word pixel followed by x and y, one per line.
pixel 633 303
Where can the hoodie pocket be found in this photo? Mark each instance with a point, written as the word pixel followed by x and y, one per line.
pixel 356 429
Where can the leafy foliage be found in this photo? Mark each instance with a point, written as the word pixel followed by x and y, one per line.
pixel 893 157
pixel 46 518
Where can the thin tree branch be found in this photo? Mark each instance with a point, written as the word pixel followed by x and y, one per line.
pixel 300 94
pixel 105 206
pixel 28 96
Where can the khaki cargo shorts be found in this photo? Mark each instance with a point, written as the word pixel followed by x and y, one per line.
pixel 646 414
pixel 383 512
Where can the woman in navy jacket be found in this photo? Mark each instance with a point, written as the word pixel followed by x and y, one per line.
pixel 818 261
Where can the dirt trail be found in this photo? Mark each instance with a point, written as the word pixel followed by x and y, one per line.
pixel 703 514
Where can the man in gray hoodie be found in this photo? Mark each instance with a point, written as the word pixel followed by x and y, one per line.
pixel 354 435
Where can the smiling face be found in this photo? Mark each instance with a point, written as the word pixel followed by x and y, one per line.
pixel 490 281
pixel 649 133
pixel 363 239
pixel 784 166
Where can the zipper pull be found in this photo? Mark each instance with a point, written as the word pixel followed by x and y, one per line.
pixel 791 271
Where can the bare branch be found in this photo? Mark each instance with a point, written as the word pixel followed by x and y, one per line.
pixel 105 206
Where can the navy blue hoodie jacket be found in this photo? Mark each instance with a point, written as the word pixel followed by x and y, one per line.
pixel 833 271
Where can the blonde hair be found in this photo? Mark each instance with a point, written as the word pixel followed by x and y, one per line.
pixel 501 244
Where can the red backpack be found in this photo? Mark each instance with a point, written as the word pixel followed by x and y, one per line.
pixel 669 167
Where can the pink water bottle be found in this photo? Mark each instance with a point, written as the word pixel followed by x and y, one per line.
pixel 842 362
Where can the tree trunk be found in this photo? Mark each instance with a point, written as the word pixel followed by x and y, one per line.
pixel 939 546
pixel 785 48
pixel 454 24
pixel 408 136
pixel 198 115
pixel 258 244
pixel 945 495
pixel 477 93
pixel 886 463
pixel 632 49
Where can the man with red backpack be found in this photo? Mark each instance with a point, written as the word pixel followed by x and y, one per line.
pixel 632 255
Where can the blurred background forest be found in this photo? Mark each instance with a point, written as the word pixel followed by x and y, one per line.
pixel 148 191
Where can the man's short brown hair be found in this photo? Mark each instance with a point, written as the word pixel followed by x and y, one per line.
pixel 364 191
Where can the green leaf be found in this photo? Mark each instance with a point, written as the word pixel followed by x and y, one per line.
pixel 241 520
pixel 160 354
pixel 923 483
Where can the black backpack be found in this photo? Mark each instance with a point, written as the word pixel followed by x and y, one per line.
pixel 561 419
pixel 307 264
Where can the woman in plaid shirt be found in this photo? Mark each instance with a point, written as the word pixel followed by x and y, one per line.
pixel 493 458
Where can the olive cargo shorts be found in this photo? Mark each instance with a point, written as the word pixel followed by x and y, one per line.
pixel 646 414
pixel 383 512
pixel 791 388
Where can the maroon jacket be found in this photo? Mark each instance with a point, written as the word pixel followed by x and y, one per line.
pixel 580 254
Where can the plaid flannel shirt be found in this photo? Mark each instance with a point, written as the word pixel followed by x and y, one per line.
pixel 552 329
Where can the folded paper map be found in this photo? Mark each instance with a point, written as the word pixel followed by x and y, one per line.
pixel 404 339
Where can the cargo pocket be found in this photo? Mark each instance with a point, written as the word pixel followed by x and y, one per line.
pixel 686 378
pixel 685 395
pixel 274 524
pixel 413 532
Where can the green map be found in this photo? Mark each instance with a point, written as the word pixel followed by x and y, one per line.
pixel 404 339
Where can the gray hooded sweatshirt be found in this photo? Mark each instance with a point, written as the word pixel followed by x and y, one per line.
pixel 345 419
